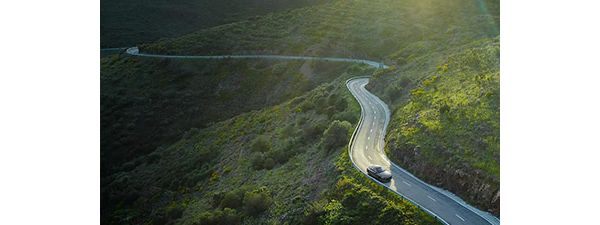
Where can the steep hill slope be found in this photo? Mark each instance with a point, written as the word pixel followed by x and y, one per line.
pixel 419 38
pixel 131 22
pixel 446 126
pixel 284 164
pixel 359 28
pixel 147 103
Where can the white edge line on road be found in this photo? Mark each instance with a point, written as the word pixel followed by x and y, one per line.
pixel 358 126
pixel 437 189
pixel 393 164
pixel 431 198
pixel 134 51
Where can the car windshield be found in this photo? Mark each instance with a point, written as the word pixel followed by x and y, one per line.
pixel 378 169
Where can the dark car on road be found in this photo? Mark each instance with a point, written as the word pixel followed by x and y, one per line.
pixel 379 173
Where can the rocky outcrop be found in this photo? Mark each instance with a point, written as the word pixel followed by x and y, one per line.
pixel 470 184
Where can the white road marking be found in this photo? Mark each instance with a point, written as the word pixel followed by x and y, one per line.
pixel 371 131
pixel 379 139
pixel 369 138
pixel 431 198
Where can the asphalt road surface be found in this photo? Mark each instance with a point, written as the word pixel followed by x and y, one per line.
pixel 135 51
pixel 367 149
pixel 368 143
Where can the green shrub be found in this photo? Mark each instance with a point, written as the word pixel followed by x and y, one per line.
pixel 288 131
pixel 393 92
pixel 261 160
pixel 336 135
pixel 404 81
pixel 174 212
pixel 232 199
pixel 269 163
pixel 283 154
pixel 313 213
pixel 261 144
pixel 306 106
pixel 219 217
pixel 310 131
pixel 257 201
pixel 257 160
pixel 349 115
pixel 337 102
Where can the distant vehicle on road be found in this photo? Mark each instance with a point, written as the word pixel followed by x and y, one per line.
pixel 379 173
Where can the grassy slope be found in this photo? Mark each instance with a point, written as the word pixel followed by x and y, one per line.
pixel 360 28
pixel 188 182
pixel 413 36
pixel 131 22
pixel 446 126
pixel 147 103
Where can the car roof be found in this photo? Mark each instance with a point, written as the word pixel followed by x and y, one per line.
pixel 375 166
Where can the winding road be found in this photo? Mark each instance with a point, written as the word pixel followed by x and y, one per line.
pixel 366 148
pixel 135 51
pixel 367 144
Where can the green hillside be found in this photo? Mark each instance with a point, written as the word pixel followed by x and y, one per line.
pixel 178 137
pixel 446 126
pixel 279 165
pixel 359 28
pixel 148 103
pixel 131 22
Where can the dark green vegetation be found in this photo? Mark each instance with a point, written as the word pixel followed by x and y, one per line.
pixel 147 103
pixel 131 22
pixel 215 141
pixel 209 177
pixel 360 28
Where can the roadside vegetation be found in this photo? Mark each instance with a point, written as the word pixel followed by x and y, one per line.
pixel 446 126
pixel 210 177
pixel 209 142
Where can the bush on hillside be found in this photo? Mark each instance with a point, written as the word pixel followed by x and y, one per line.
pixel 311 131
pixel 393 92
pixel 232 199
pixel 313 213
pixel 261 161
pixel 336 135
pixel 261 144
pixel 218 217
pixel 350 116
pixel 257 201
